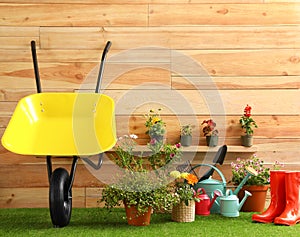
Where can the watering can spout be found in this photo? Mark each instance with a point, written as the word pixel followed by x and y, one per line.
pixel 250 172
pixel 217 194
pixel 247 194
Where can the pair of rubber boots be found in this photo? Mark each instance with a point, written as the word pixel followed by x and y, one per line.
pixel 284 208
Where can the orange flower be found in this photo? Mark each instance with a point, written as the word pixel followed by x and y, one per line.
pixel 192 179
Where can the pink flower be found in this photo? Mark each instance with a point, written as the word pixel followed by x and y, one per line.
pixel 152 141
pixel 178 145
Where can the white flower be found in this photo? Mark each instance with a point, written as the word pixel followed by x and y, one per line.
pixel 133 136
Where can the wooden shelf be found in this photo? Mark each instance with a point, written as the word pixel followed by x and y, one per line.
pixel 204 149
pixel 215 149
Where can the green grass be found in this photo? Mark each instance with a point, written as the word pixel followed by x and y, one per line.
pixel 100 222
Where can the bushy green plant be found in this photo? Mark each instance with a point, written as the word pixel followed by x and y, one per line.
pixel 186 130
pixel 141 183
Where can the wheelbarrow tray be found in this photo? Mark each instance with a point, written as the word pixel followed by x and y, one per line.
pixel 61 124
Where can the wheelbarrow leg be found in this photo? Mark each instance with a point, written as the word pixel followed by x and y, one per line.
pixel 60 193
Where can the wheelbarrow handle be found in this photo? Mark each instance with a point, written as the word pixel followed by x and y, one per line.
pixel 100 74
pixel 36 68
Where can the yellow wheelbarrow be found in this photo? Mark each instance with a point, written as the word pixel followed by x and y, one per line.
pixel 62 124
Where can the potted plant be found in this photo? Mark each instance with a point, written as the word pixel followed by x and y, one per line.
pixel 138 188
pixel 210 132
pixel 186 135
pixel 256 185
pixel 184 206
pixel 247 123
pixel 155 125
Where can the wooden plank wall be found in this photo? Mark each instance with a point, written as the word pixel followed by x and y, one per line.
pixel 248 52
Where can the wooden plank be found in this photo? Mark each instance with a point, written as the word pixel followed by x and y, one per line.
pixel 93 196
pixel 35 175
pixel 35 197
pixel 15 31
pixel 73 15
pixel 212 63
pixel 185 37
pixel 237 63
pixel 204 1
pixel 224 14
pixel 16 42
pixel 187 102
pixel 190 102
pixel 82 1
pixel 247 82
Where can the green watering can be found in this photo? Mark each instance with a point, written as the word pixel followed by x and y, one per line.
pixel 229 204
pixel 210 185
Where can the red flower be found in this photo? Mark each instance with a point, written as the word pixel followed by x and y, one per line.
pixel 247 111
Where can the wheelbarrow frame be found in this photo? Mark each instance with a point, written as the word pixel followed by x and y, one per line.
pixel 60 181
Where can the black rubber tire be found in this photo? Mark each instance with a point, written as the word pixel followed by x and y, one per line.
pixel 60 199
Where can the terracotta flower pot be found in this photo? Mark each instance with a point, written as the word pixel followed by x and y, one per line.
pixel 137 219
pixel 256 202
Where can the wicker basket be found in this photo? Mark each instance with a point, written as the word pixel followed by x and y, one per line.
pixel 184 213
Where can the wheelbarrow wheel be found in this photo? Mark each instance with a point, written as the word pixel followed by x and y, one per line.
pixel 60 198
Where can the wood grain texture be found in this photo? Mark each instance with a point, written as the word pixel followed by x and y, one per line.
pixel 224 14
pixel 35 197
pixel 198 102
pixel 73 15
pixel 174 37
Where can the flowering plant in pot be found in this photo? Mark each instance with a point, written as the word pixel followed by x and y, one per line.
pixel 248 124
pixel 138 185
pixel 155 125
pixel 186 135
pixel 185 196
pixel 257 185
pixel 210 132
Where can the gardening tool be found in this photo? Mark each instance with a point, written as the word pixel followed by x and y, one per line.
pixel 204 205
pixel 229 204
pixel 210 185
pixel 62 124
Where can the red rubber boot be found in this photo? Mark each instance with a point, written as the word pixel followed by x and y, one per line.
pixel 277 205
pixel 291 213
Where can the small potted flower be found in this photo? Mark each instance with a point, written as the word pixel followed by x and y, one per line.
pixel 155 125
pixel 184 207
pixel 210 132
pixel 136 185
pixel 186 135
pixel 248 124
pixel 256 185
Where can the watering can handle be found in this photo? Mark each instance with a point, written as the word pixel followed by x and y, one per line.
pixel 215 168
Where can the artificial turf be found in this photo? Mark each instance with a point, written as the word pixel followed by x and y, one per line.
pixel 100 222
